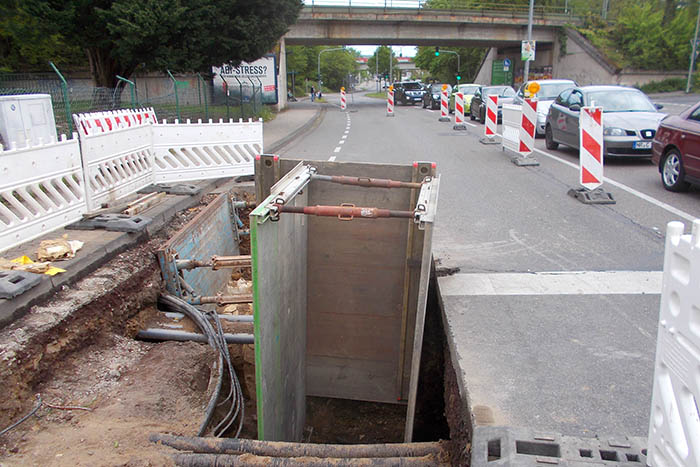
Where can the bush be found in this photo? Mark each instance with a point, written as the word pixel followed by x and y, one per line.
pixel 667 85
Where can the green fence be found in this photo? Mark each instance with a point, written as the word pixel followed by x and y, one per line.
pixel 192 97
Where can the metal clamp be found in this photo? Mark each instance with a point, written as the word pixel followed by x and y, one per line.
pixel 346 218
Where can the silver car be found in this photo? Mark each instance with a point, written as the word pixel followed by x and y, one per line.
pixel 630 119
pixel 549 90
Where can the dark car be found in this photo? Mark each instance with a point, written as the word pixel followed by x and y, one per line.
pixel 432 96
pixel 408 92
pixel 505 94
pixel 676 149
pixel 630 119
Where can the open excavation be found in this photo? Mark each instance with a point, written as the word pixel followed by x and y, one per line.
pixel 289 322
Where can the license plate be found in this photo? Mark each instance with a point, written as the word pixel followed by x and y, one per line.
pixel 642 145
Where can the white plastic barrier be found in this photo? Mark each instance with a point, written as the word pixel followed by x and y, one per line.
pixel 196 151
pixel 674 427
pixel 102 122
pixel 41 189
pixel 117 163
pixel 512 115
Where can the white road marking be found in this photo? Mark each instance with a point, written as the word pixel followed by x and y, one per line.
pixel 345 136
pixel 553 283
pixel 337 149
pixel 347 131
pixel 331 159
pixel 342 141
pixel 630 190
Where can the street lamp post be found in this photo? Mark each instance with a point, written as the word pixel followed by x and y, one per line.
pixel 693 53
pixel 319 63
pixel 458 63
pixel 526 71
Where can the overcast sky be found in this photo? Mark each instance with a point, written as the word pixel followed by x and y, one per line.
pixel 368 50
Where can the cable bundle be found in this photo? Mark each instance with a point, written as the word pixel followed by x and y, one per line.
pixel 215 337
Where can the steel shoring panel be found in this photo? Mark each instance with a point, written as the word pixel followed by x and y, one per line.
pixel 278 253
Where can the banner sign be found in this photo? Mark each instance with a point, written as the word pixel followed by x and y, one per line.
pixel 261 73
pixel 527 51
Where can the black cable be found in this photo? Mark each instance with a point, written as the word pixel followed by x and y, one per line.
pixel 23 419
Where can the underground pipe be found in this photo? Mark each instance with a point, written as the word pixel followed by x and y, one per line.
pixel 227 460
pixel 170 335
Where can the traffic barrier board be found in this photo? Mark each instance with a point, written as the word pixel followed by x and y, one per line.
pixel 459 112
pixel 591 147
pixel 527 127
pixel 444 109
pixel 343 102
pixel 491 118
pixel 390 102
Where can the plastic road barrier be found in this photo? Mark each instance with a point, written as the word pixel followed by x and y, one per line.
pixel 390 102
pixel 343 102
pixel 459 112
pixel 591 147
pixel 527 127
pixel 444 109
pixel 491 120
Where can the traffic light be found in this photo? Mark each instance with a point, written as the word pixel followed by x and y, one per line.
pixel 458 77
pixel 437 51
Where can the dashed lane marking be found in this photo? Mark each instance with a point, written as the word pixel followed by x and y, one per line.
pixel 331 159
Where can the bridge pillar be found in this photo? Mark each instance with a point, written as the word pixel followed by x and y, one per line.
pixel 282 76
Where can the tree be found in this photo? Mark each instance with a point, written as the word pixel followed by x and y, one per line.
pixel 444 67
pixel 382 54
pixel 336 65
pixel 120 35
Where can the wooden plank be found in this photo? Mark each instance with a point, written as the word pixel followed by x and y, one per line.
pixel 278 253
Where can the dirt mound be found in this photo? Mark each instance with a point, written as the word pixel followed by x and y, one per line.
pixel 134 388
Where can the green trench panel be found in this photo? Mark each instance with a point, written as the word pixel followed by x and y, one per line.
pixel 278 251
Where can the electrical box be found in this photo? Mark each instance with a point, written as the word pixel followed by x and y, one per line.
pixel 26 117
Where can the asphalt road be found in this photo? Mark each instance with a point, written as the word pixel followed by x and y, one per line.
pixel 578 359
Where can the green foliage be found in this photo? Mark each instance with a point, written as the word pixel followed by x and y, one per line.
pixel 336 65
pixel 667 85
pixel 444 67
pixel 380 62
pixel 644 35
pixel 120 35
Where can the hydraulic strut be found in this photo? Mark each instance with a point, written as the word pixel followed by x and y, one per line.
pixel 345 212
pixel 366 181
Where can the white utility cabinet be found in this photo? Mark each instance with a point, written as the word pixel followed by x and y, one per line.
pixel 26 117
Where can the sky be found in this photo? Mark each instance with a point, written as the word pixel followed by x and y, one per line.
pixel 368 50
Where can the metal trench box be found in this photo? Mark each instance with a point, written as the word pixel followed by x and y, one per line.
pixel 339 304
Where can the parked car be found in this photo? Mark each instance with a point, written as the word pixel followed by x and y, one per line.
pixel 549 90
pixel 676 149
pixel 432 95
pixel 477 109
pixel 468 90
pixel 630 119
pixel 408 92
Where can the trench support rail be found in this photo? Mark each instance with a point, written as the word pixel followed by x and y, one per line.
pixel 366 181
pixel 344 212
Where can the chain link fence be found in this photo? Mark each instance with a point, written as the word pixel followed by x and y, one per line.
pixel 183 97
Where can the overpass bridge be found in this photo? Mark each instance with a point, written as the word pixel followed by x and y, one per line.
pixel 408 23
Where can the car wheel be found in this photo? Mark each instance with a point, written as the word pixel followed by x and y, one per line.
pixel 549 138
pixel 424 104
pixel 482 116
pixel 672 173
pixel 471 115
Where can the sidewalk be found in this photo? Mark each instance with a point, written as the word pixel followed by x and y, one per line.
pixel 101 246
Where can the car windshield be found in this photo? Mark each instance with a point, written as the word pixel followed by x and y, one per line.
pixel 550 91
pixel 468 88
pixel 621 100
pixel 436 88
pixel 502 91
pixel 411 86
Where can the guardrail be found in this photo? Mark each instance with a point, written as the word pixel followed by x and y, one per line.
pixel 480 8
pixel 47 186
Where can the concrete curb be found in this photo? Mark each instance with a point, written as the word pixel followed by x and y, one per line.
pixel 277 145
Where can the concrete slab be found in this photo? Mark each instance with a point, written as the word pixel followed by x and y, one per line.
pixel 578 365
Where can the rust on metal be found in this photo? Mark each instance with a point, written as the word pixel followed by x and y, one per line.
pixel 344 211
pixel 225 299
pixel 366 181
pixel 216 262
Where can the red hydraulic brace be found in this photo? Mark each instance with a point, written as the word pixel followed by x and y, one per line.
pixel 366 181
pixel 344 212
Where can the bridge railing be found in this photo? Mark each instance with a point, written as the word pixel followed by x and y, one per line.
pixel 450 5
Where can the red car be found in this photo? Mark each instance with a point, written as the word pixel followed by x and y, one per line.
pixel 676 149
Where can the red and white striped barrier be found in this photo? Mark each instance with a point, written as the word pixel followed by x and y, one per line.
pixel 527 127
pixel 444 103
pixel 103 122
pixel 459 112
pixel 390 102
pixel 491 117
pixel 591 147
pixel 343 102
